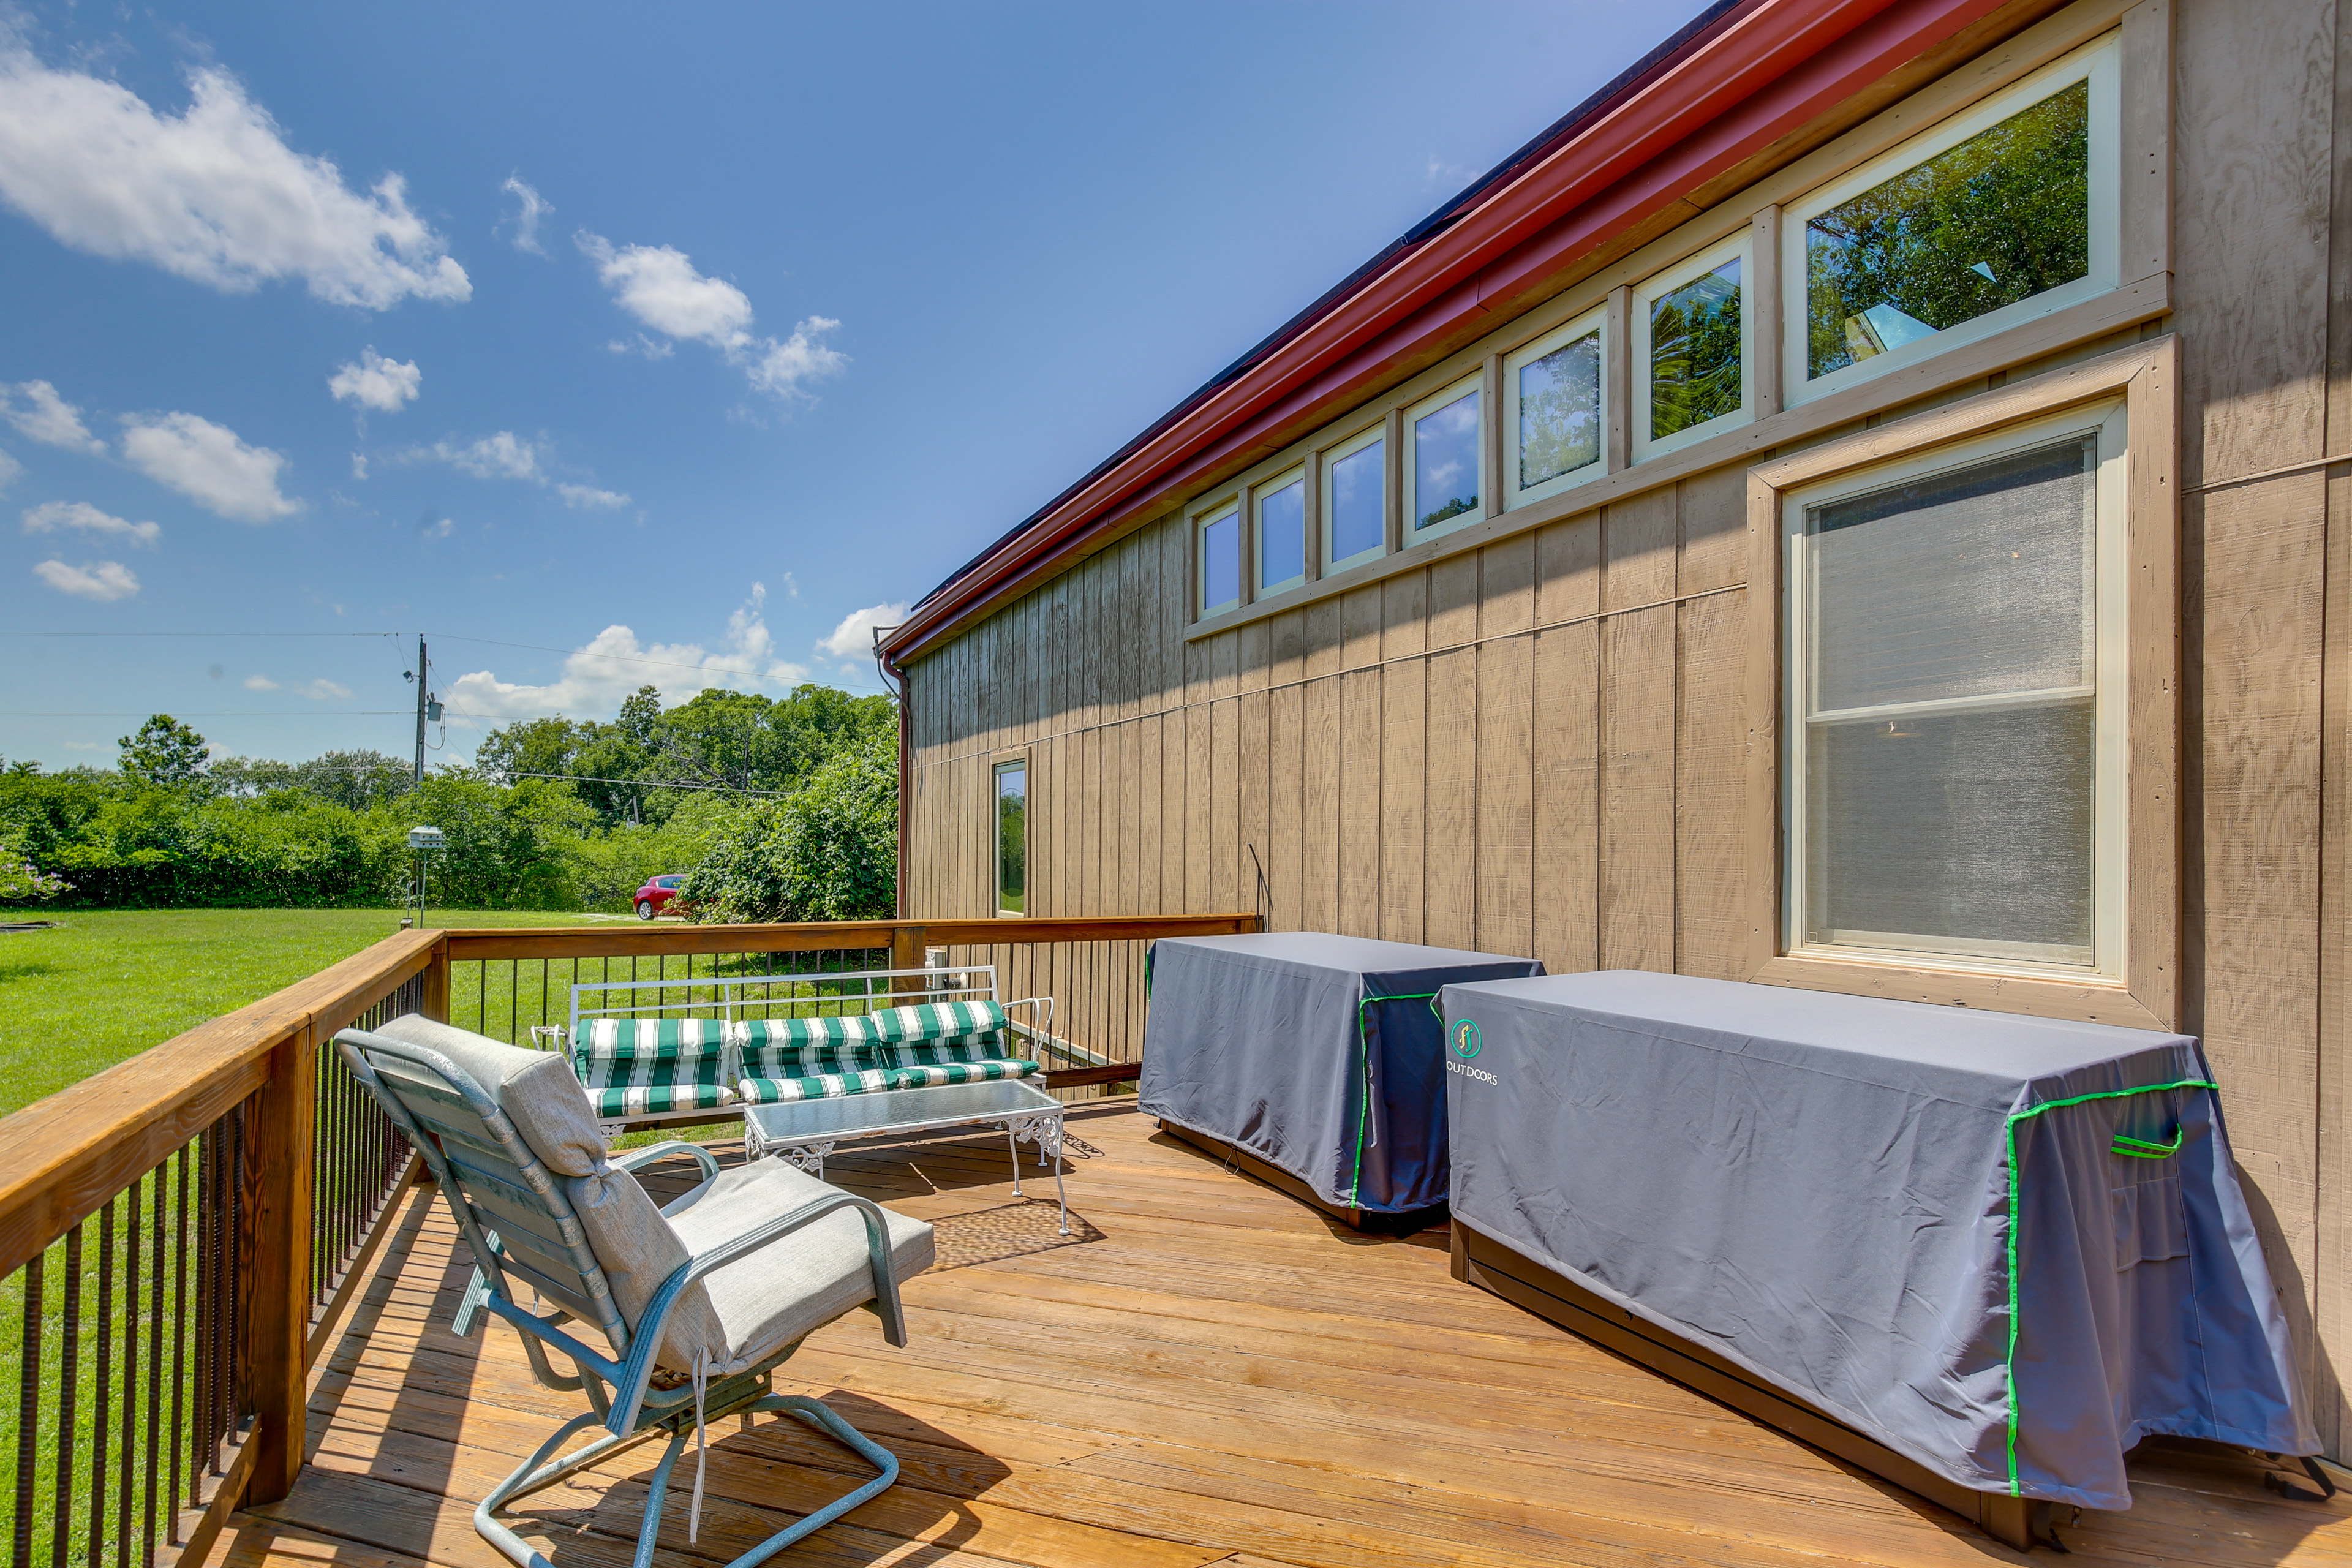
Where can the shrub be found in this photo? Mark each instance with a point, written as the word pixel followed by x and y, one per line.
pixel 829 852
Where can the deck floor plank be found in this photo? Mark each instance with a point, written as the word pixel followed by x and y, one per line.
pixel 1222 1378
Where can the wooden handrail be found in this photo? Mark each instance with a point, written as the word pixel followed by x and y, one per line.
pixel 63 1157
pixel 651 941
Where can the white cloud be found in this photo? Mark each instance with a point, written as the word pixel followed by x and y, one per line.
pixel 659 286
pixel 854 638
pixel 781 367
pixel 590 496
pixel 42 416
pixel 359 464
pixel 324 690
pixel 105 581
pixel 55 516
pixel 207 463
pixel 531 207
pixel 504 456
pixel 11 471
pixel 84 746
pixel 214 194
pixel 596 677
pixel 377 383
pixel 260 683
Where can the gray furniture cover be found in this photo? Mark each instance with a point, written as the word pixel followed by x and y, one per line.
pixel 1959 1232
pixel 1319 1054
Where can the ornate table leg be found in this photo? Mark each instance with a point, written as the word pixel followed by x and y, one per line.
pixel 809 1157
pixel 1046 1131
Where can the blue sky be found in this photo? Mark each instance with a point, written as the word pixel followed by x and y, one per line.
pixel 694 336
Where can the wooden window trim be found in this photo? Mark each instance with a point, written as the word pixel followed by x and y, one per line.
pixel 2147 994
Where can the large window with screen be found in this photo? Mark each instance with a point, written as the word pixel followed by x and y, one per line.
pixel 1956 718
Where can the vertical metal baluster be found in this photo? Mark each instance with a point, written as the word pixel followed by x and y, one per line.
pixel 200 1404
pixel 179 1326
pixel 127 1460
pixel 233 1181
pixel 29 1404
pixel 68 1384
pixel 101 1410
pixel 155 1321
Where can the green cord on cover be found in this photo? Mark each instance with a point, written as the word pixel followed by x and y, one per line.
pixel 1364 1055
pixel 2141 1149
pixel 2017 1219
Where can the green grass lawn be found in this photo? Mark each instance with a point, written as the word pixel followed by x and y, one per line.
pixel 106 985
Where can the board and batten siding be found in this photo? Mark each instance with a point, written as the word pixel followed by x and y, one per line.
pixel 1540 746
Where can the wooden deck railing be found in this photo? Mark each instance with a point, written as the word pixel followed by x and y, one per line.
pixel 180 1234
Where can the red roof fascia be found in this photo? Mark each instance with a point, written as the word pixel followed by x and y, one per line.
pixel 1768 70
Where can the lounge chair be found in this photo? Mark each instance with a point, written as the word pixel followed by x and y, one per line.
pixel 715 1289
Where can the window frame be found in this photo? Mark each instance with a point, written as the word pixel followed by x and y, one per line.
pixel 1690 270
pixel 2100 63
pixel 2142 991
pixel 1592 323
pixel 997 768
pixel 1258 493
pixel 2110 866
pixel 1231 506
pixel 1473 385
pixel 1328 460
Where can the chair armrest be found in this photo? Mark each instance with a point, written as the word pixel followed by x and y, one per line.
pixel 1036 1025
pixel 646 1340
pixel 629 1160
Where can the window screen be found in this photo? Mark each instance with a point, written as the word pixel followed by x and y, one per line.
pixel 1950 725
pixel 1012 838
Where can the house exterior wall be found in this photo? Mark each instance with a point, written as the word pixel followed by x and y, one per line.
pixel 1540 744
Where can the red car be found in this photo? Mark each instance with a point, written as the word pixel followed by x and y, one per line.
pixel 655 897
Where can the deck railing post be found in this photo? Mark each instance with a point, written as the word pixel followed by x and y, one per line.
pixel 277 1326
pixel 907 947
pixel 436 1003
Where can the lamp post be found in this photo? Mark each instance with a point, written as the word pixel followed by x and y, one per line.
pixel 425 840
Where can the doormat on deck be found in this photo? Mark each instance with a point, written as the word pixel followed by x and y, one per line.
pixel 1016 1230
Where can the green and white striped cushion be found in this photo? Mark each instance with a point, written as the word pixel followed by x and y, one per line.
pixel 896 1047
pixel 648 1066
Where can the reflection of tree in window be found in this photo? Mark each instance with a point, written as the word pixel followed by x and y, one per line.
pixel 1011 838
pixel 1559 412
pixel 1999 219
pixel 1445 462
pixel 1695 351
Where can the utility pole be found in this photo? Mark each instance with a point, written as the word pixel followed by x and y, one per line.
pixel 421 671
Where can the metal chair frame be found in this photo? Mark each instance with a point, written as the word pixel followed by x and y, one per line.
pixel 491 1177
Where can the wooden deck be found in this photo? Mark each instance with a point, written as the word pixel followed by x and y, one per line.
pixel 1216 1374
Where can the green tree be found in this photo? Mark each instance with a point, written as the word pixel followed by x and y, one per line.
pixel 829 852
pixel 164 752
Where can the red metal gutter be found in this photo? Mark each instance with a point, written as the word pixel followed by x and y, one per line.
pixel 1755 74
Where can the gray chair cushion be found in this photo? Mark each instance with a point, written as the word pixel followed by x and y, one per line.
pixel 636 1246
pixel 535 1089
pixel 794 1285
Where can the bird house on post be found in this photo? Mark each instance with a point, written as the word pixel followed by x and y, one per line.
pixel 425 840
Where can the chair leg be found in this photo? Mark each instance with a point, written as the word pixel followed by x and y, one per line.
pixel 823 1418
pixel 536 1473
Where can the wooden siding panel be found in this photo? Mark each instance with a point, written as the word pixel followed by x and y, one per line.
pixel 1711 787
pixel 1286 791
pixel 1450 858
pixel 1224 804
pixel 1322 828
pixel 1403 778
pixel 1567 569
pixel 1638 551
pixel 1360 627
pixel 1452 601
pixel 1505 795
pixel 1637 846
pixel 1566 747
pixel 1359 827
pixel 1252 767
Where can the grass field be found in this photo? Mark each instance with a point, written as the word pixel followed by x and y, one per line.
pixel 106 985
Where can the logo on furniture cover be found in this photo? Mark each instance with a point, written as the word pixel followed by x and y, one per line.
pixel 1465 1038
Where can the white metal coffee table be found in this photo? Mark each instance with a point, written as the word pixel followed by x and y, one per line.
pixel 805 1130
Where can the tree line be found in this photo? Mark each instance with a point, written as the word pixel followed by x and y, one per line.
pixel 774 808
